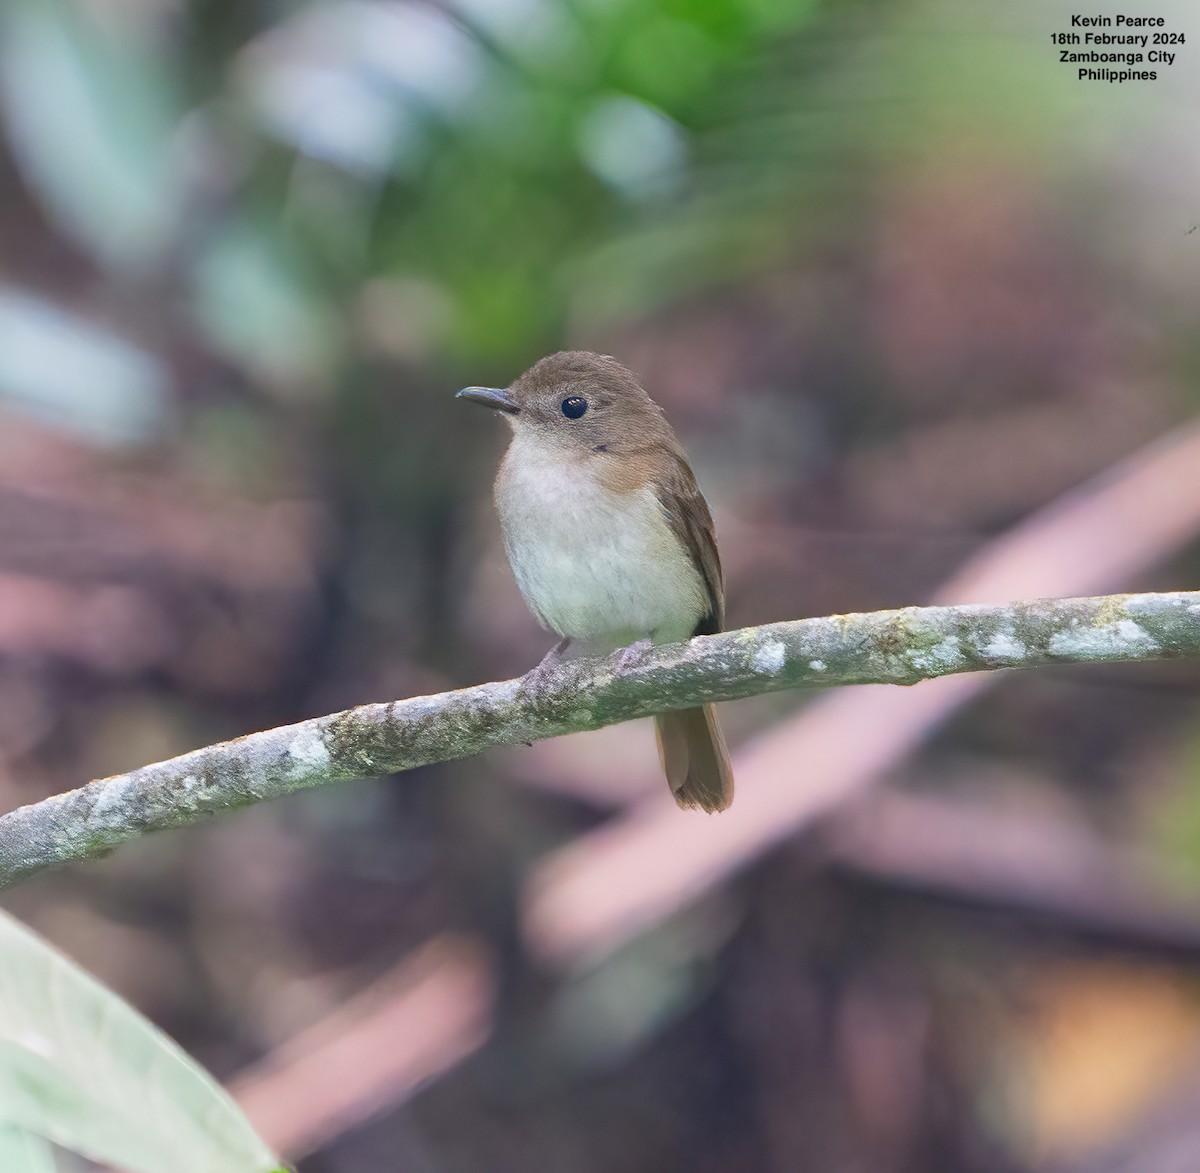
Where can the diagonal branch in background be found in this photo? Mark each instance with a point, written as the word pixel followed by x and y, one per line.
pixel 422 1018
pixel 888 647
pixel 1091 540
pixel 634 871
pixel 1040 869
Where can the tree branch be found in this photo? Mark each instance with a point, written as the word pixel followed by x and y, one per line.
pixel 882 647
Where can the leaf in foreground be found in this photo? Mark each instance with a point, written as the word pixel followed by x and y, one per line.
pixel 85 1070
pixel 22 1152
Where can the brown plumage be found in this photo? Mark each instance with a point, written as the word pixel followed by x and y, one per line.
pixel 609 536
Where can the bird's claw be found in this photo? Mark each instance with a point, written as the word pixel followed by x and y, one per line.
pixel 537 676
pixel 634 654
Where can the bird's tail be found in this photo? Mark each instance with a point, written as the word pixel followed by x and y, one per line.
pixel 695 758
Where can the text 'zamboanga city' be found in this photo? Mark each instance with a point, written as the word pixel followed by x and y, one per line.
pixel 1097 50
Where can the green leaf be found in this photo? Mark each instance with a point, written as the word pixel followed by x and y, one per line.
pixel 256 306
pixel 91 121
pixel 22 1152
pixel 83 1069
pixel 74 375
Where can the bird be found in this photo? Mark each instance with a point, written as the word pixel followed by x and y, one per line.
pixel 610 540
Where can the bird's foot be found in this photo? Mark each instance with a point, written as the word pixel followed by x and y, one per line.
pixel 537 676
pixel 633 655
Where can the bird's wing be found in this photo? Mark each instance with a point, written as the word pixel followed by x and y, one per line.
pixel 687 514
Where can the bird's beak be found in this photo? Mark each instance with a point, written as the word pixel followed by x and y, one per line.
pixel 496 397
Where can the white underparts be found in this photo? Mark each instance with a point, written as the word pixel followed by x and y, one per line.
pixel 593 564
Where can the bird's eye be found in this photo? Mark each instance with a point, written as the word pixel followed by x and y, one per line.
pixel 574 406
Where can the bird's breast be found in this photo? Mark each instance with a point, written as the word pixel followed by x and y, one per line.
pixel 597 564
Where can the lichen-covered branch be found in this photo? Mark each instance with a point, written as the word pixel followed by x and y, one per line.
pixel 889 647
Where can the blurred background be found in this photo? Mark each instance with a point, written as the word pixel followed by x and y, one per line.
pixel 907 289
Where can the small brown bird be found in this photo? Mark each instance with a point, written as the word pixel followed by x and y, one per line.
pixel 608 535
